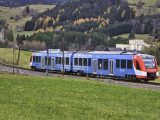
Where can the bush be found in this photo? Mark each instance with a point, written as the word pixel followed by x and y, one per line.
pixel 33 45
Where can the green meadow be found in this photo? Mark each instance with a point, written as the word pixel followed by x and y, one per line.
pixel 35 98
pixel 6 55
pixel 6 13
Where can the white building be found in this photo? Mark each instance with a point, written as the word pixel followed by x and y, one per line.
pixel 135 44
pixel 2 39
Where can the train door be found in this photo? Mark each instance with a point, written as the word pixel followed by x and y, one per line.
pixel 95 66
pixel 111 67
pixel 43 62
pixel 52 63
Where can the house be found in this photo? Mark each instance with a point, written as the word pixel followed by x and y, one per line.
pixel 2 38
pixel 135 44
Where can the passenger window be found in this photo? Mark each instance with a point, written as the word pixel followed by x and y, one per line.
pixel 129 64
pixel 85 61
pixel 137 66
pixel 67 61
pixel 75 61
pixel 39 59
pixel 99 63
pixel 117 63
pixel 45 60
pixel 60 60
pixel 80 61
pixel 105 64
pixel 89 62
pixel 56 60
pixel 34 59
pixel 123 64
pixel 49 60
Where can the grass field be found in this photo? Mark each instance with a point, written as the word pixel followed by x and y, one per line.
pixel 7 54
pixel 6 13
pixel 34 98
pixel 147 2
pixel 138 36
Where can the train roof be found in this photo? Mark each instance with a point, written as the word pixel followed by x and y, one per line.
pixel 106 52
pixel 56 51
pixel 53 51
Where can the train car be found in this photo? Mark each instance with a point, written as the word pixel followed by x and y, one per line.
pixel 116 64
pixel 82 62
pixel 68 63
pixel 38 60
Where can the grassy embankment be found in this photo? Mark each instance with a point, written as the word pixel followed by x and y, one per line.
pixel 37 98
pixel 138 36
pixel 7 55
pixel 6 13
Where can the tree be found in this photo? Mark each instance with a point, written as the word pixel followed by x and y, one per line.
pixel 27 9
pixel 9 35
pixel 158 3
pixel 29 26
pixel 131 35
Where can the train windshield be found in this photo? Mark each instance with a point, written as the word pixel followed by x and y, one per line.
pixel 149 62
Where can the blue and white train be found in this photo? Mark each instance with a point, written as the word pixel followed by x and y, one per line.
pixel 117 64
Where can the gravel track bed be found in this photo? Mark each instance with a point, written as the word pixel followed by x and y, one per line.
pixel 153 86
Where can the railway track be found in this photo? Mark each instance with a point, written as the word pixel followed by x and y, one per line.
pixel 29 72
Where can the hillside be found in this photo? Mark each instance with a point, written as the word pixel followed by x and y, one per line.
pixel 146 2
pixel 24 97
pixel 7 13
pixel 84 15
pixel 96 21
pixel 6 56
pixel 18 3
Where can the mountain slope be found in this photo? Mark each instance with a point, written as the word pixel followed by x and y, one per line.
pixel 16 3
pixel 84 15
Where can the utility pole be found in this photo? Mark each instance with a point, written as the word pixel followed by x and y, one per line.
pixel 47 62
pixel 63 54
pixel 13 59
pixel 19 52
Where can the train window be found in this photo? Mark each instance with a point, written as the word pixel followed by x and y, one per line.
pixel 123 63
pixel 129 64
pixel 60 60
pixel 39 59
pixel 57 61
pixel 117 63
pixel 105 64
pixel 75 61
pixel 89 62
pixel 137 66
pixel 85 61
pixel 49 60
pixel 67 61
pixel 99 63
pixel 45 60
pixel 80 61
pixel 34 58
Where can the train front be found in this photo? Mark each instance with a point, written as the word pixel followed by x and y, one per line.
pixel 146 67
